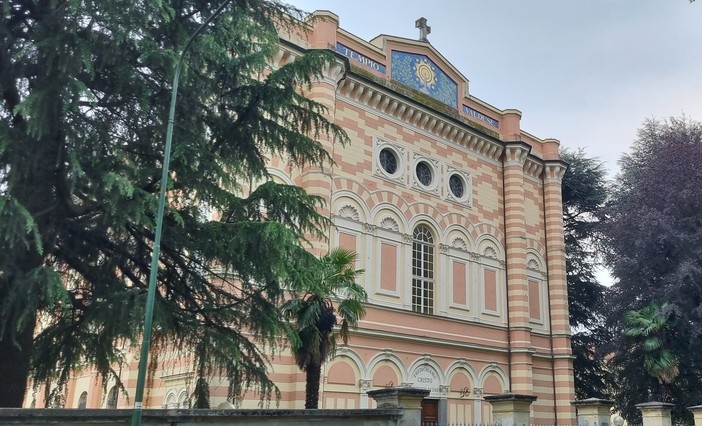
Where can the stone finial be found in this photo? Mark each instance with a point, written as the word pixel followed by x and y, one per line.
pixel 424 29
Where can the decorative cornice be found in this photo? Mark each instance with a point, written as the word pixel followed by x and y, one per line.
pixel 422 118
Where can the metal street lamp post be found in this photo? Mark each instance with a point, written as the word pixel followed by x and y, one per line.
pixel 148 317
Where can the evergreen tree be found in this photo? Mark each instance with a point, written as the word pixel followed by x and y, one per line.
pixel 584 196
pixel 85 88
pixel 654 237
pixel 332 298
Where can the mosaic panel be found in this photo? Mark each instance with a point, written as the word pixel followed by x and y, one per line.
pixel 421 73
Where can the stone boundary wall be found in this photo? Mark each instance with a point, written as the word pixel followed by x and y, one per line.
pixel 210 417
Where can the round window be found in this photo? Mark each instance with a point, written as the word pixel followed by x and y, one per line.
pixel 388 161
pixel 457 186
pixel 424 173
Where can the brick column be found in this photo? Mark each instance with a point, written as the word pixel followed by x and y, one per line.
pixel 315 179
pixel 656 413
pixel 558 288
pixel 593 411
pixel 517 289
pixel 511 409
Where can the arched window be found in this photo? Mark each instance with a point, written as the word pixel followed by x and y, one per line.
pixel 83 400
pixel 183 401
pixel 423 270
pixel 171 400
pixel 112 398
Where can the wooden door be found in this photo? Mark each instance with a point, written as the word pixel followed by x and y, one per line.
pixel 430 412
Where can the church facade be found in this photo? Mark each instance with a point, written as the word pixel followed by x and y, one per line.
pixel 456 215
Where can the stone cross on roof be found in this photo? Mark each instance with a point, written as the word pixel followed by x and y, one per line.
pixel 424 29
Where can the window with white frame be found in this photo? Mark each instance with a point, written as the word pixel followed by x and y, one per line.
pixel 423 270
pixel 536 293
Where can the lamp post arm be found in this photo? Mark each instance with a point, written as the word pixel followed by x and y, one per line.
pixel 153 275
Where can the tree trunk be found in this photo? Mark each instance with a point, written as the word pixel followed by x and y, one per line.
pixel 14 365
pixel 34 170
pixel 314 372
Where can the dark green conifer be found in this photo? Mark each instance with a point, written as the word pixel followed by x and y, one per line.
pixel 85 88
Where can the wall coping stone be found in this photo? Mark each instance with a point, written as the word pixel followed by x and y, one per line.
pixel 510 397
pixel 592 401
pixel 654 405
pixel 22 415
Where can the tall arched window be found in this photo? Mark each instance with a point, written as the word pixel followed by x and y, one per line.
pixel 83 400
pixel 183 401
pixel 112 398
pixel 423 270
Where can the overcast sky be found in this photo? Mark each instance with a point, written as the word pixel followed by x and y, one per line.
pixel 585 72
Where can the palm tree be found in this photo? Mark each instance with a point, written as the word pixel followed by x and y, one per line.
pixel 650 328
pixel 332 299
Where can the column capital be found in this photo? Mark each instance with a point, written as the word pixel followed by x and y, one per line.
pixel 365 385
pixel 554 170
pixel 334 72
pixel 515 153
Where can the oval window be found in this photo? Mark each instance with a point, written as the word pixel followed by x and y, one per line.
pixel 424 173
pixel 457 186
pixel 388 161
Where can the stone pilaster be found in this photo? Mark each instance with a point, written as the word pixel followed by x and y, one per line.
pixel 511 409
pixel 656 413
pixel 558 287
pixel 593 411
pixel 515 155
pixel 365 386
